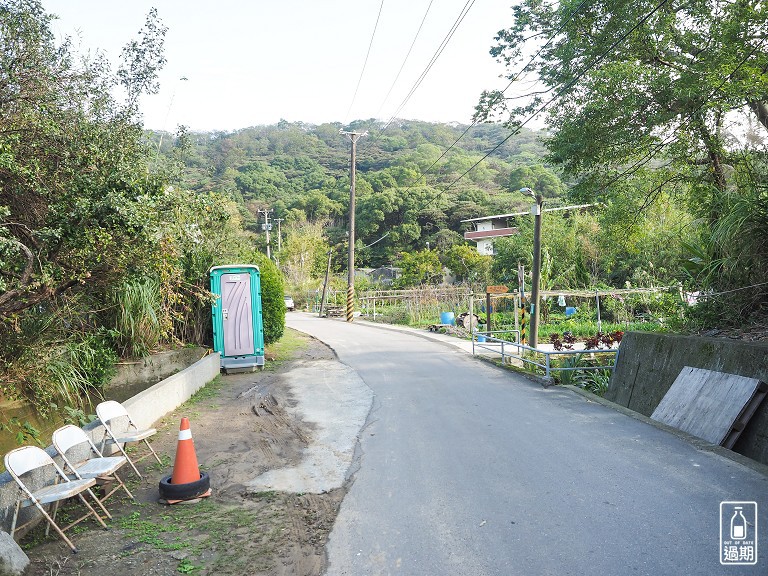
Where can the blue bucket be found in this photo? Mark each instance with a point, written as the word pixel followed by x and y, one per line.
pixel 480 338
pixel 447 318
pixel 570 311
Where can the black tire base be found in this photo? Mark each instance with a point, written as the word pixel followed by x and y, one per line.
pixel 185 491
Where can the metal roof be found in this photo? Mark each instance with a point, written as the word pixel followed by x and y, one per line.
pixel 559 208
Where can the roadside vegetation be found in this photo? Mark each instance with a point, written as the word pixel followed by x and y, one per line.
pixel 102 255
pixel 107 231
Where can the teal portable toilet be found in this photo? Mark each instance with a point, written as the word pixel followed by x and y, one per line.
pixel 238 328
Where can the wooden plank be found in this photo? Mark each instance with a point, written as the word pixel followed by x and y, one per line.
pixel 746 414
pixel 714 406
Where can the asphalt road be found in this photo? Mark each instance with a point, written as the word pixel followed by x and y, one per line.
pixel 468 469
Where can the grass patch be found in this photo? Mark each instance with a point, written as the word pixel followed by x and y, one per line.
pixel 154 466
pixel 220 529
pixel 153 533
pixel 207 392
pixel 286 348
pixel 187 567
pixel 267 495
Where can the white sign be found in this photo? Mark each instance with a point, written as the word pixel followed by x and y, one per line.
pixel 738 533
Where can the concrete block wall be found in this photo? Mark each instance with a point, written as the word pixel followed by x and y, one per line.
pixel 649 363
pixel 145 409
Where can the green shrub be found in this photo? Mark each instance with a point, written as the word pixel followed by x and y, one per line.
pixel 397 314
pixel 272 303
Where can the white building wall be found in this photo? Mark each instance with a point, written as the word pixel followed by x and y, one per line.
pixel 485 247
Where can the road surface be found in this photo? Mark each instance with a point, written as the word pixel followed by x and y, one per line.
pixel 467 469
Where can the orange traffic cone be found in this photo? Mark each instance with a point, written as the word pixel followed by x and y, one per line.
pixel 186 482
pixel 185 467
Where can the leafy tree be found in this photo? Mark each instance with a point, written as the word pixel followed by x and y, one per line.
pixel 262 180
pixel 635 236
pixel 636 81
pixel 510 251
pixel 304 253
pixel 73 168
pixel 468 265
pixel 419 268
pixel 731 257
pixel 537 177
pixel 445 239
pixel 316 205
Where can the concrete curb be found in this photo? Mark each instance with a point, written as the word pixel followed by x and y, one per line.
pixel 145 408
pixel 149 406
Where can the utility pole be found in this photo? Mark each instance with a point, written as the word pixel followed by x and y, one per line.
pixel 267 226
pixel 279 242
pixel 279 234
pixel 353 137
pixel 536 280
pixel 325 283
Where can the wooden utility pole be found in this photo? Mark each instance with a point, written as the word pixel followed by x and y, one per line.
pixel 279 241
pixel 353 136
pixel 535 289
pixel 325 284
pixel 267 226
pixel 279 235
pixel 533 338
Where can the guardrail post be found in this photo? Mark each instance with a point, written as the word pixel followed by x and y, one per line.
pixel 502 352
pixel 546 362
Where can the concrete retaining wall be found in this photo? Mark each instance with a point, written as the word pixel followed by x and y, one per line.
pixel 648 364
pixel 151 370
pixel 145 408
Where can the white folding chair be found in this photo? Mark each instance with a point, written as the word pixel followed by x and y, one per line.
pixel 119 429
pixel 28 459
pixel 85 460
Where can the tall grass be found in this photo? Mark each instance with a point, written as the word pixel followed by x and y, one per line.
pixel 55 354
pixel 63 372
pixel 730 261
pixel 77 368
pixel 137 321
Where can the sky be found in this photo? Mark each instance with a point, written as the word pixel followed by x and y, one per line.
pixel 237 63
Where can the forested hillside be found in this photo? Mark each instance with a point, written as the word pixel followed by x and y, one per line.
pixel 416 182
pixel 406 186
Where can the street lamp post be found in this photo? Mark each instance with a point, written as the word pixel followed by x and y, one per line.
pixel 533 337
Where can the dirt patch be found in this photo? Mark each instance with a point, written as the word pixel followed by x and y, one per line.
pixel 240 429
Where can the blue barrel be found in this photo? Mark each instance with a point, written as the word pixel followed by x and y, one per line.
pixel 447 318
pixel 570 311
pixel 480 338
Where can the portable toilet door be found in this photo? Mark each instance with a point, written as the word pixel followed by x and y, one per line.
pixel 238 329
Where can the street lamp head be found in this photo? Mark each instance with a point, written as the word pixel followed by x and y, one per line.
pixel 527 191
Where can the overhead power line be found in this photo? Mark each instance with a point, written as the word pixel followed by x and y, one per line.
pixel 464 11
pixel 544 106
pixel 474 122
pixel 365 63
pixel 413 43
pixel 500 94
